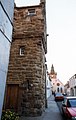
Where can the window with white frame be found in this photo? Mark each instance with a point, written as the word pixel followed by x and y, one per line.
pixel 22 50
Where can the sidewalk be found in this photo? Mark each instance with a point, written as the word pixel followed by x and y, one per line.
pixel 51 113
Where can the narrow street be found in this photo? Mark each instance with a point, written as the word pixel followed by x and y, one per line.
pixel 51 113
pixel 60 109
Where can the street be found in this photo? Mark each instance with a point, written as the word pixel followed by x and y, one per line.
pixel 60 109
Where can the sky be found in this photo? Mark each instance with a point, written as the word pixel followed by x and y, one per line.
pixel 61 42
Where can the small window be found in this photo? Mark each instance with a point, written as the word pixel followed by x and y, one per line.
pixel 57 89
pixel 61 89
pixel 22 50
pixel 31 12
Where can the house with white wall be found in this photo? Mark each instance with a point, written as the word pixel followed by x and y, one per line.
pixel 48 86
pixel 6 27
pixel 72 85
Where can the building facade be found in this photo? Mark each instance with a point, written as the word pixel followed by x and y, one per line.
pixel 6 25
pixel 72 85
pixel 67 88
pixel 48 85
pixel 26 79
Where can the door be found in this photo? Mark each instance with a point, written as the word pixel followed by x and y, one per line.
pixel 11 101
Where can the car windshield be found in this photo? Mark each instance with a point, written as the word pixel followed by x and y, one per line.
pixel 71 103
pixel 59 94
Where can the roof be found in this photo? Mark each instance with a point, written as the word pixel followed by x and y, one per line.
pixel 71 97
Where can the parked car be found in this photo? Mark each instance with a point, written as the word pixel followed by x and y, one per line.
pixel 64 94
pixel 59 97
pixel 69 108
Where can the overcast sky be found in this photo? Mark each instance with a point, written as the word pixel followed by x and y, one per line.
pixel 61 42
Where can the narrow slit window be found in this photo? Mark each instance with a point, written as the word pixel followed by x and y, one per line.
pixel 31 12
pixel 22 50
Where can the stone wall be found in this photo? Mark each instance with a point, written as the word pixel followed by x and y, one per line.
pixel 28 70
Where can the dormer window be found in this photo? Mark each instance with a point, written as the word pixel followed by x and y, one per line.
pixel 31 12
pixel 22 50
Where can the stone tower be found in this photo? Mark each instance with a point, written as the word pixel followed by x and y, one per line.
pixel 25 90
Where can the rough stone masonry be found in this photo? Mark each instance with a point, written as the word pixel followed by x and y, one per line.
pixel 25 90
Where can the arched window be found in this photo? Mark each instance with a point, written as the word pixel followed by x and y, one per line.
pixel 61 89
pixel 58 89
